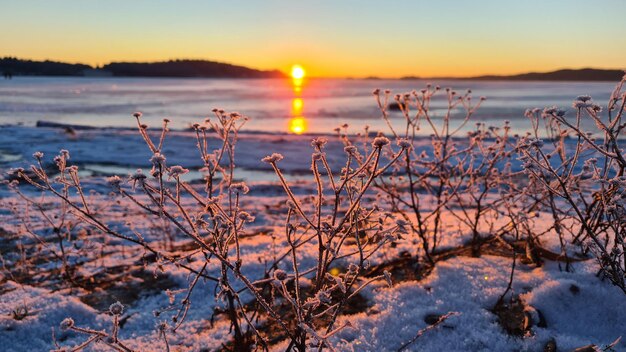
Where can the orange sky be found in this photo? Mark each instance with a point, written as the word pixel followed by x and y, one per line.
pixel 329 38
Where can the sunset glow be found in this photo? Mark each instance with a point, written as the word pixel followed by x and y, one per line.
pixel 332 40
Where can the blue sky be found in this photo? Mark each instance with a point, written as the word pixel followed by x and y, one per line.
pixel 329 38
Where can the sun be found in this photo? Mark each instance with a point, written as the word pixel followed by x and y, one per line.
pixel 297 72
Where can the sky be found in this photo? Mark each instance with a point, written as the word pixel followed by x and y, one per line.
pixel 340 38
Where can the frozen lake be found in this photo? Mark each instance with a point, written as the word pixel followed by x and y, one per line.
pixel 274 105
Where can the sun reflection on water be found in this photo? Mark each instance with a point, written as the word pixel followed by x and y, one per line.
pixel 297 123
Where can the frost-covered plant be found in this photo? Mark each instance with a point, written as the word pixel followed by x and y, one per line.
pixel 337 221
pixel 345 230
pixel 56 237
pixel 483 174
pixel 588 175
pixel 427 179
pixel 109 339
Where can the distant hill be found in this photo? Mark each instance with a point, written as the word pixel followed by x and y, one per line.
pixel 585 74
pixel 17 67
pixel 10 66
pixel 187 68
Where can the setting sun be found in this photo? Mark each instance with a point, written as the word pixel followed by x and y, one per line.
pixel 297 72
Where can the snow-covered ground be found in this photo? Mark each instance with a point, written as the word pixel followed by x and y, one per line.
pixel 573 309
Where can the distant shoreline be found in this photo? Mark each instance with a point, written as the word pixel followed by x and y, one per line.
pixel 429 79
pixel 13 67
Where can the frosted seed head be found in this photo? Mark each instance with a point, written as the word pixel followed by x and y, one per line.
pixel 239 187
pixel 138 175
pixel 272 159
pixel 177 171
pixel 380 142
pixel 16 171
pixel 114 181
pixel 404 144
pixel 162 326
pixel 319 142
pixel 350 150
pixel 67 324
pixel 116 308
pixel 323 296
pixel 245 216
pixel 579 104
pixel 280 275
pixel 353 268
pixel 157 158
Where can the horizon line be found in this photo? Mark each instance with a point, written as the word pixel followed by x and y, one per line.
pixel 370 76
